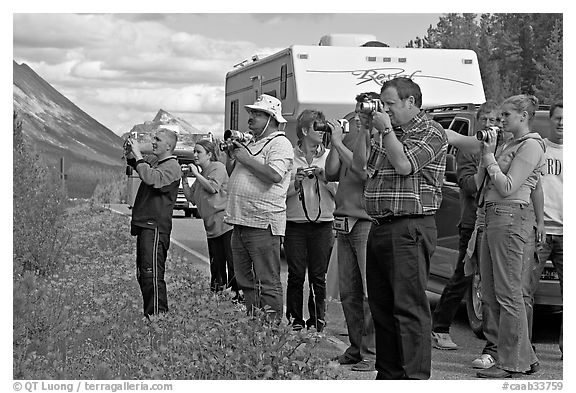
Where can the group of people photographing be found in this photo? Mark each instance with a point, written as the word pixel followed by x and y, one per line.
pixel 377 186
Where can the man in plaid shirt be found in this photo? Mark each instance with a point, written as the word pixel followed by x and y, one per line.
pixel 259 179
pixel 404 169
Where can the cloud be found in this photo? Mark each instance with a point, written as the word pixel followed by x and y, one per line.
pixel 122 69
pixel 288 18
pixel 108 48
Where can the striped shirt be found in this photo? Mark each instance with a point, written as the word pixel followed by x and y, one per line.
pixel 388 193
pixel 257 204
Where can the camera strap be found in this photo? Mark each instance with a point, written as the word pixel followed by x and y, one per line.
pixel 302 197
pixel 266 144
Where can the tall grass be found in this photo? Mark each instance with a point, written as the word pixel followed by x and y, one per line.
pixel 87 322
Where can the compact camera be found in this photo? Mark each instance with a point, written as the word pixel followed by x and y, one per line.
pixel 324 127
pixel 185 169
pixel 482 135
pixel 234 135
pixel 309 172
pixel 128 143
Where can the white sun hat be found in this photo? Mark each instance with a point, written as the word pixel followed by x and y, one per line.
pixel 270 105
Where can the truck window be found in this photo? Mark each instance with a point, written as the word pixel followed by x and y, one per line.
pixel 444 120
pixel 460 125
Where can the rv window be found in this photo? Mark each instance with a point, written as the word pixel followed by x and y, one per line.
pixel 234 115
pixel 283 81
pixel 256 85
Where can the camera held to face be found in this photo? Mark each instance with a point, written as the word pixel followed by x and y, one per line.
pixel 127 146
pixel 309 172
pixel 367 105
pixel 234 135
pixel 325 127
pixel 482 135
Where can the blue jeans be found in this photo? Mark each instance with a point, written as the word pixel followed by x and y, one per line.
pixel 506 269
pixel 257 267
pixel 454 290
pixel 397 268
pixel 552 249
pixel 353 290
pixel 307 247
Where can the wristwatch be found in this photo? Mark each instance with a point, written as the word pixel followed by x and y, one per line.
pixel 385 132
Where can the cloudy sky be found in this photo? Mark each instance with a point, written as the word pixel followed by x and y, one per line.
pixel 122 68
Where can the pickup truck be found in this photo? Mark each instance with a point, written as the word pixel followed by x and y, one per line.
pixel 461 118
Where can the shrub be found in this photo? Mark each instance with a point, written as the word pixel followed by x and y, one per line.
pixel 38 204
pixel 110 188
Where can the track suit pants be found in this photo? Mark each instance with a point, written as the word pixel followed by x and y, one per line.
pixel 151 251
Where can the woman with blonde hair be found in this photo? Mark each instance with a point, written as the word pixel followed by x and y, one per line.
pixel 507 174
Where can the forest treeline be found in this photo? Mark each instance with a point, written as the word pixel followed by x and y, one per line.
pixel 517 53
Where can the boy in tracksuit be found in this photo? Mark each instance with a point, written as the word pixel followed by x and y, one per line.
pixel 152 215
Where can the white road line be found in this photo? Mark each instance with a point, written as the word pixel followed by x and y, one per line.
pixel 191 251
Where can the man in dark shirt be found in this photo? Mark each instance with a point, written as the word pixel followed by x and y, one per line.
pixel 404 172
pixel 152 215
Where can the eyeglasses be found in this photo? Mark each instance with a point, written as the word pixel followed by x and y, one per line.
pixel 489 119
pixel 257 113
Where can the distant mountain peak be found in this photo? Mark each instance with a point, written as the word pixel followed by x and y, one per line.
pixel 165 119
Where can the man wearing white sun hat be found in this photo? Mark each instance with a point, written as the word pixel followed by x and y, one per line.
pixel 259 178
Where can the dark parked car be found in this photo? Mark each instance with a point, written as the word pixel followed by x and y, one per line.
pixel 461 118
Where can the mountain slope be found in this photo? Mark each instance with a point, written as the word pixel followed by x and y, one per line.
pixel 56 127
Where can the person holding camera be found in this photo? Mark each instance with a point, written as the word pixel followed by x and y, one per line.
pixel 259 179
pixel 209 192
pixel 352 225
pixel 508 176
pixel 309 235
pixel 468 156
pixel 152 214
pixel 404 173
pixel 467 164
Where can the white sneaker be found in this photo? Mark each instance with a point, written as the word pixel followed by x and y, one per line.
pixel 484 361
pixel 443 341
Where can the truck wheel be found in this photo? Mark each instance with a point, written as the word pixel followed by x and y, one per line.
pixel 474 306
pixel 187 212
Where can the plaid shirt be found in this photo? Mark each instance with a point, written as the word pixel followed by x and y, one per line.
pixel 389 193
pixel 257 204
